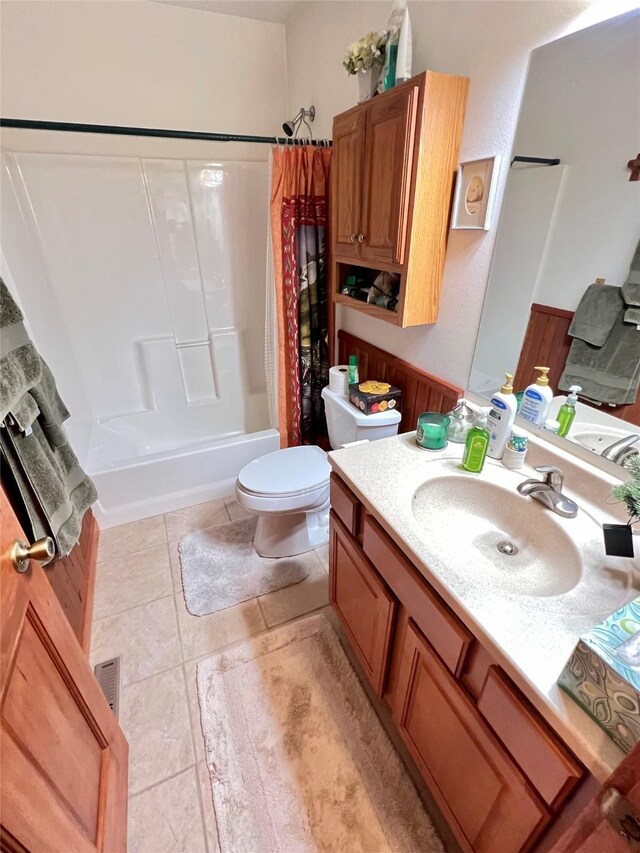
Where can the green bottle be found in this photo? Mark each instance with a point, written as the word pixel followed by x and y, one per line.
pixel 568 410
pixel 476 445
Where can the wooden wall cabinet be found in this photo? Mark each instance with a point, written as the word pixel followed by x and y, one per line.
pixel 393 168
pixel 498 773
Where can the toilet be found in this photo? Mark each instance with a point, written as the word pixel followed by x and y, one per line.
pixel 289 489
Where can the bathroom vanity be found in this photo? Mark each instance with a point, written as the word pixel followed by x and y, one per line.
pixel 465 647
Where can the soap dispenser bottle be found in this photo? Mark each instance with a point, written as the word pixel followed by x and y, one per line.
pixel 476 445
pixel 568 410
pixel 501 417
pixel 537 398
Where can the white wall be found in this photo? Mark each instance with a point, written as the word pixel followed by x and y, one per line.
pixel 124 63
pixel 489 42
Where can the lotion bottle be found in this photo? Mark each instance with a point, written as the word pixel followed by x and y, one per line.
pixel 537 398
pixel 501 417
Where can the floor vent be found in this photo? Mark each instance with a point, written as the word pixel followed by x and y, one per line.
pixel 108 675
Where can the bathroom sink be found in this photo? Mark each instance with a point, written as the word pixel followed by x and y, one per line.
pixel 511 541
pixel 596 437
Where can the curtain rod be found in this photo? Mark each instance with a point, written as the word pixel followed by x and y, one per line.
pixel 118 130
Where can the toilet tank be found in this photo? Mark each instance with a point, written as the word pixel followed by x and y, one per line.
pixel 345 423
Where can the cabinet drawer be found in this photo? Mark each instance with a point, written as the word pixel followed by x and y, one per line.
pixel 445 632
pixel 345 504
pixel 543 759
pixel 485 798
pixel 362 601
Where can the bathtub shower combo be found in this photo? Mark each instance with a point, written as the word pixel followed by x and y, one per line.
pixel 143 283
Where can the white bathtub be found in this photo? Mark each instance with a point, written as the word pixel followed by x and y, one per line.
pixel 142 486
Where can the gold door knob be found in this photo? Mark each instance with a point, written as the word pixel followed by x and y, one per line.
pixel 360 238
pixel 353 238
pixel 43 550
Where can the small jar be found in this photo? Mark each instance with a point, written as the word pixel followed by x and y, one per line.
pixel 431 432
pixel 516 450
pixel 461 420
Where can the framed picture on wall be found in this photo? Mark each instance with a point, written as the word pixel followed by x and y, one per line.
pixel 475 194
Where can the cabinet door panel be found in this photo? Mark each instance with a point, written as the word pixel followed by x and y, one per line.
pixel 362 601
pixel 346 183
pixel 488 802
pixel 389 141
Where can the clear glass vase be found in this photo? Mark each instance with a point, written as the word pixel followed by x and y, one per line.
pixel 368 83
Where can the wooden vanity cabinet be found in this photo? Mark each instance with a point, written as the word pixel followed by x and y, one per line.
pixel 485 798
pixel 362 601
pixel 393 168
pixel 497 771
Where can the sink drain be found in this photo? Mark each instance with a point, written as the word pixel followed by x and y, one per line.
pixel 508 548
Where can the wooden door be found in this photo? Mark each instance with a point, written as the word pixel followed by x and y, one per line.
pixel 488 803
pixel 591 832
pixel 63 757
pixel 389 142
pixel 346 183
pixel 362 601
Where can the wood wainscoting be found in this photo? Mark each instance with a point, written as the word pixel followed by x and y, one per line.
pixel 421 392
pixel 547 342
pixel 73 580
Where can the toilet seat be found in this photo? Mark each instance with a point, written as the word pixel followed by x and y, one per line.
pixel 293 472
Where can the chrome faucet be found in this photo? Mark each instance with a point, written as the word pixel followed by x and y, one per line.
pixel 620 449
pixel 549 491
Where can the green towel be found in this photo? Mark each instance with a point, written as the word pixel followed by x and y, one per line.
pixel 631 290
pixel 53 488
pixel 596 314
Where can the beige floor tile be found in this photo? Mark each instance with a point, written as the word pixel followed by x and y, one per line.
pixel 198 517
pixel 190 668
pixel 210 827
pixel 235 510
pixel 129 581
pixel 167 817
pixel 127 539
pixel 154 716
pixel 145 637
pixel 176 571
pixel 202 634
pixel 301 598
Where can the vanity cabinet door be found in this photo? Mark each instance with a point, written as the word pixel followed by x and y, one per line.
pixel 346 183
pixel 389 143
pixel 484 797
pixel 362 601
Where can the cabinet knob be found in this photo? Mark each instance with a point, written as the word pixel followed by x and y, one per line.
pixel 353 238
pixel 360 238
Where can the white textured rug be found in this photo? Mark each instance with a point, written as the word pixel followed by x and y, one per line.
pixel 220 567
pixel 297 758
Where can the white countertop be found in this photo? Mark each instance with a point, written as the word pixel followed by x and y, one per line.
pixel 530 636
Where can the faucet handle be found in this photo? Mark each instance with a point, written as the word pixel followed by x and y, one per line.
pixel 553 476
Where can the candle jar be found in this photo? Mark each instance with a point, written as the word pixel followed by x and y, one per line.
pixel 431 432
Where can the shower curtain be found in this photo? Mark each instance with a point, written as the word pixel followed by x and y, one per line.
pixel 299 190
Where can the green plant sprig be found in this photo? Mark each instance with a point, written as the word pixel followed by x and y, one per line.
pixel 629 492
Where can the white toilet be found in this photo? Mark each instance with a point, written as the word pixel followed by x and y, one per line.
pixel 289 489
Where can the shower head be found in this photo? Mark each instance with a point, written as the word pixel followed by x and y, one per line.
pixel 292 127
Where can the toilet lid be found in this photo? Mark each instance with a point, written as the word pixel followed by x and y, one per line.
pixel 286 472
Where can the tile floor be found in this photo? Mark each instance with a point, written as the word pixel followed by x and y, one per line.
pixel 140 614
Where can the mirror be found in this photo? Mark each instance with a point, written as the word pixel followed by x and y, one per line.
pixel 565 225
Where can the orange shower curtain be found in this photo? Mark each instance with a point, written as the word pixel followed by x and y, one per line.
pixel 299 229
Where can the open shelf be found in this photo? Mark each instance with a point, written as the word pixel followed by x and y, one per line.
pixel 368 308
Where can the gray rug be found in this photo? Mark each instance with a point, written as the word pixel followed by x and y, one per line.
pixel 297 758
pixel 220 567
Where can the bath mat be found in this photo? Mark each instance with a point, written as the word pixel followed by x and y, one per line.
pixel 220 568
pixel 298 760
